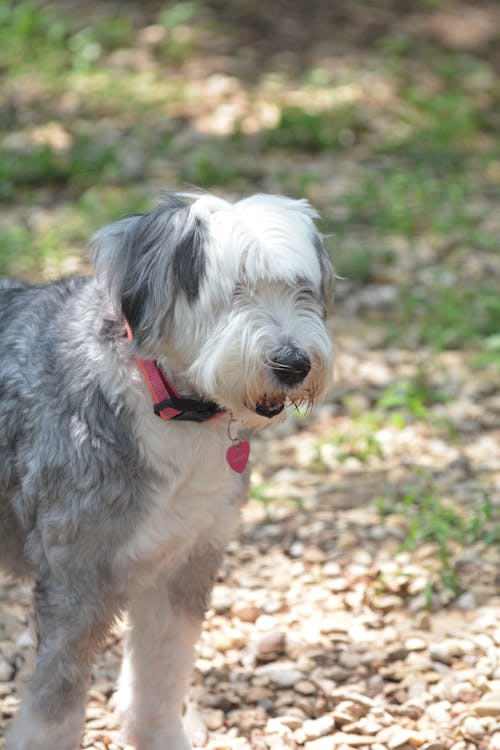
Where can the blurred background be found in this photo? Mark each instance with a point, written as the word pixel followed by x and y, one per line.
pixel 386 115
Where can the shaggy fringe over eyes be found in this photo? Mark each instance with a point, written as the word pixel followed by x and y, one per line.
pixel 147 260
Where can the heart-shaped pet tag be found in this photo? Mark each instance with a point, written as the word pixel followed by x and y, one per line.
pixel 237 455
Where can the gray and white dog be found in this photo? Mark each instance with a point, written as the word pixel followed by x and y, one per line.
pixel 122 398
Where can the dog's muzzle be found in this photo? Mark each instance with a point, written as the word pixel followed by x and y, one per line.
pixel 290 366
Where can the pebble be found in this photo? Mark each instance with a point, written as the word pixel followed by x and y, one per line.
pixel 441 652
pixel 489 705
pixel 25 640
pixel 245 611
pixel 305 687
pixel 314 728
pixel 271 643
pixel 465 692
pixel 6 671
pixel 266 622
pixel 349 660
pixel 414 643
pixel 323 743
pixel 213 718
pixel 439 713
pixel 283 675
pixel 466 601
pixel 472 728
pixel 291 721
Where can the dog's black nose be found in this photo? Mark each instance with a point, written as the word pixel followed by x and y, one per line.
pixel 290 365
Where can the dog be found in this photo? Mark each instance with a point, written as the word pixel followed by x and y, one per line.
pixel 126 399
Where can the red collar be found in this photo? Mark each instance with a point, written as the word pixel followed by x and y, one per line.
pixel 168 403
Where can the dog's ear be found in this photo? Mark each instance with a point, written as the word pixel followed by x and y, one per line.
pixel 325 264
pixel 327 272
pixel 147 261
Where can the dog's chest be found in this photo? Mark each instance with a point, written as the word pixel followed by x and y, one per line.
pixel 195 499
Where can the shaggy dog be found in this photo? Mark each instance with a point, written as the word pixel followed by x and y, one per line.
pixel 123 398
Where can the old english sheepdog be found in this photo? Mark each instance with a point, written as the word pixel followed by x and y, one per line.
pixel 125 400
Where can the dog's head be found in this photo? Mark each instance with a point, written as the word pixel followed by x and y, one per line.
pixel 233 297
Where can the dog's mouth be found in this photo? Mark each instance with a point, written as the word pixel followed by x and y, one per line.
pixel 269 407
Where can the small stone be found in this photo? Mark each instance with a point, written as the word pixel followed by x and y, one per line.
pixel 6 671
pixel 402 736
pixel 213 719
pixel 416 688
pixel 439 713
pixel 255 694
pixel 25 640
pixel 353 740
pixel 349 660
pixel 386 602
pixel 277 726
pixel 245 611
pixel 314 728
pixel 494 741
pixel 441 652
pixel 271 643
pixel 466 601
pixel 284 675
pixel 489 705
pixel 290 721
pixel 465 692
pixel 230 638
pixel 323 743
pixel 414 643
pixel 266 622
pixel 305 687
pixel 472 728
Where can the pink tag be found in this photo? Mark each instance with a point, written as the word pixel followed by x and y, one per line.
pixel 237 455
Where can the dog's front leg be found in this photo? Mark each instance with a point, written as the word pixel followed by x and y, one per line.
pixel 71 624
pixel 165 622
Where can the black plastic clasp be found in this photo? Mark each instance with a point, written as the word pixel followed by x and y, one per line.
pixel 190 409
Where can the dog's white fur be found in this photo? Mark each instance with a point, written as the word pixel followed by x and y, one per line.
pixel 264 283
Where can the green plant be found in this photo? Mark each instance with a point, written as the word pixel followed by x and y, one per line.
pixel 209 166
pixel 412 397
pixel 25 254
pixel 315 131
pixel 429 518
pixel 453 316
pixel 361 444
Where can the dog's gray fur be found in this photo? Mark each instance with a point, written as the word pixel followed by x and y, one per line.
pixel 75 483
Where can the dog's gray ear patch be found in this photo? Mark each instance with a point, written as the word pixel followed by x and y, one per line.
pixel 327 274
pixel 151 259
pixel 189 261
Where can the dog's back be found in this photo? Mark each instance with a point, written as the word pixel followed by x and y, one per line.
pixel 23 308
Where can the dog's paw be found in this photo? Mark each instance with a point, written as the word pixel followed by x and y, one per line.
pixel 30 732
pixel 167 737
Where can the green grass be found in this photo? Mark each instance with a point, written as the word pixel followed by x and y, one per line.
pixel 316 131
pixel 431 519
pixel 26 254
pixel 412 399
pixel 453 316
pixel 79 166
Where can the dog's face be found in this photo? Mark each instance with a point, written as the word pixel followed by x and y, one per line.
pixel 232 296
